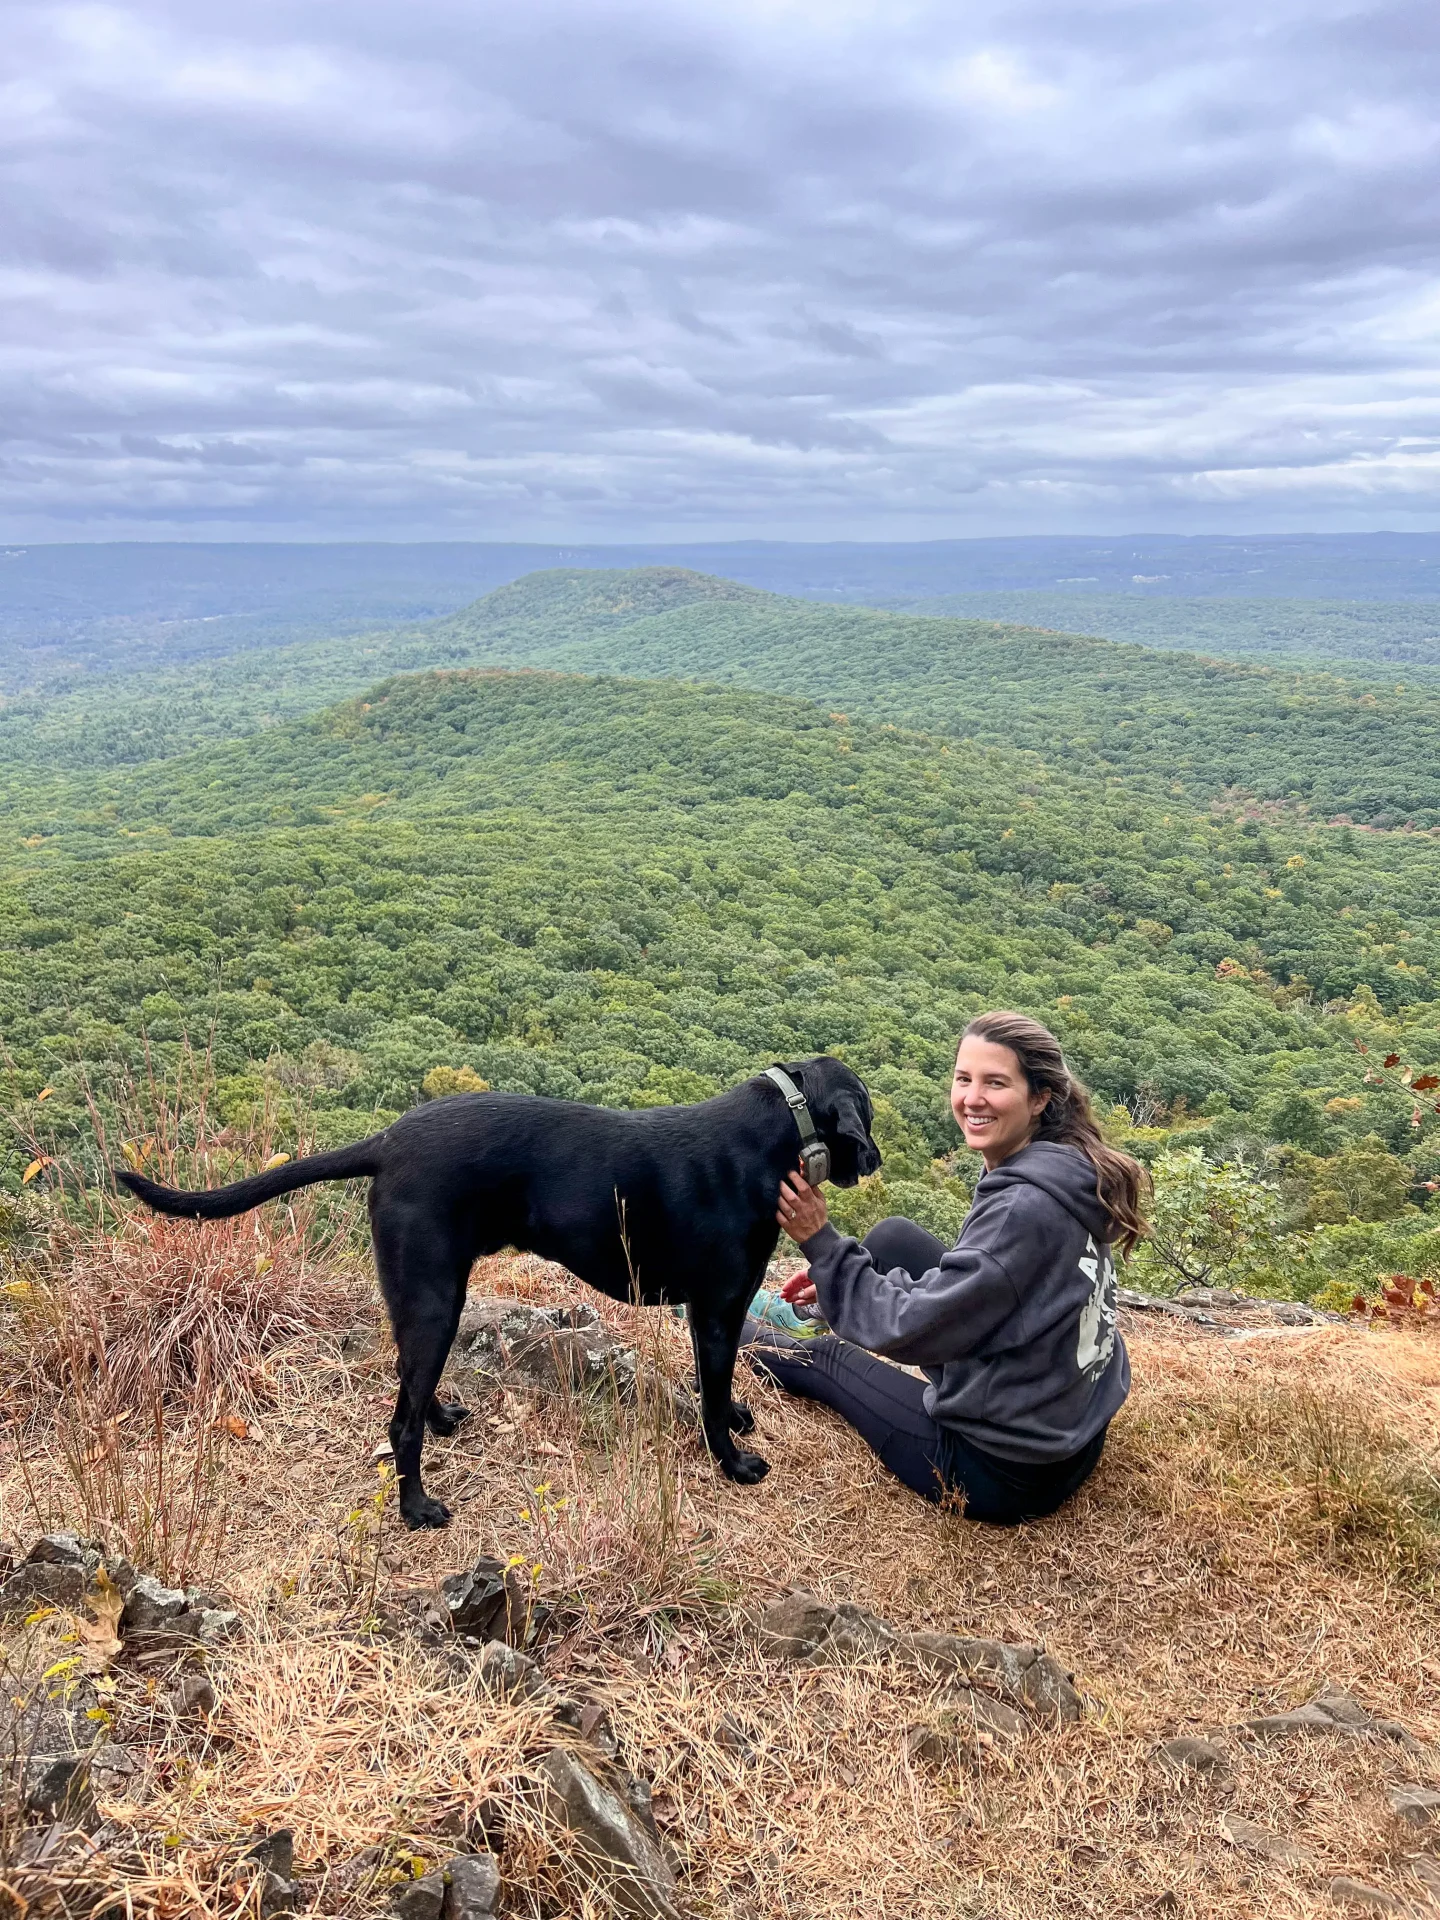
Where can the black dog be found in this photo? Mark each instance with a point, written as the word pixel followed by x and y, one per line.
pixel 672 1203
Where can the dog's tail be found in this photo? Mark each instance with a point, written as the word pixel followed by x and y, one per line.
pixel 219 1203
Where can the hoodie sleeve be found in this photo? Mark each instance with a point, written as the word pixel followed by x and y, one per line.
pixel 941 1316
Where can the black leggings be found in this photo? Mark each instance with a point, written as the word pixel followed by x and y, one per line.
pixel 886 1408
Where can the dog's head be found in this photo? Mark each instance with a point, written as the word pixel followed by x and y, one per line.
pixel 839 1104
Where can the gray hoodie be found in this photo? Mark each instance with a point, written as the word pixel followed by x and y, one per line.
pixel 1016 1326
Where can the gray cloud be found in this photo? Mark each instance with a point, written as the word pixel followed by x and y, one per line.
pixel 775 267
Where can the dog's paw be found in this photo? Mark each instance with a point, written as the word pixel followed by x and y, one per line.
pixel 742 1420
pixel 424 1512
pixel 745 1469
pixel 445 1416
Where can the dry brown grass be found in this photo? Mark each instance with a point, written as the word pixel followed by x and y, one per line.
pixel 1259 1525
pixel 132 1358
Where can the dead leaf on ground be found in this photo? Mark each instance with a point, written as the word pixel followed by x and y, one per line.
pixel 101 1636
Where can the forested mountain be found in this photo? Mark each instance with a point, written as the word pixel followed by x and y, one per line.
pixel 635 889
pixel 1180 724
pixel 1382 641
pixel 633 892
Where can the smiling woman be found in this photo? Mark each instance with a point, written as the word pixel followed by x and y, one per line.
pixel 1014 1327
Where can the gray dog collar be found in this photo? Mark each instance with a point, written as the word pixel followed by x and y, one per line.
pixel 814 1154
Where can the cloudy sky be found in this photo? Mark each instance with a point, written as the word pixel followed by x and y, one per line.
pixel 710 268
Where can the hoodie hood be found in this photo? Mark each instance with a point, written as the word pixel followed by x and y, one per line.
pixel 1064 1173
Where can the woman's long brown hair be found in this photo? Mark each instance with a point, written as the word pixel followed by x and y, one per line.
pixel 1066 1118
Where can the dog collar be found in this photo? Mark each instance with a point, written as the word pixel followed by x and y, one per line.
pixel 814 1154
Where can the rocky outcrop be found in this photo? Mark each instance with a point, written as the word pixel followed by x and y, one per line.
pixel 612 1839
pixel 487 1602
pixel 1250 1838
pixel 1332 1713
pixel 559 1349
pixel 61 1569
pixel 1360 1897
pixel 1417 1807
pixel 472 1887
pixel 1018 1672
pixel 1218 1311
pixel 1022 1677
pixel 1190 1754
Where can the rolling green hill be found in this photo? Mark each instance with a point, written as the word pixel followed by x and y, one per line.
pixel 623 890
pixel 1176 724
pixel 1383 641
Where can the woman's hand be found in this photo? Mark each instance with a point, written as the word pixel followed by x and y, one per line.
pixel 802 1209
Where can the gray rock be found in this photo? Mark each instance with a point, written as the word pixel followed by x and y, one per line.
pixel 57 1785
pixel 1188 1754
pixel 794 1627
pixel 55 1573
pixel 926 1746
pixel 509 1674
pixel 472 1886
pixel 359 1342
pixel 65 1550
pixel 1019 1672
pixel 112 1759
pixel 1427 1872
pixel 215 1625
pixel 1257 1840
pixel 1332 1711
pixel 275 1852
pixel 966 1728
pixel 1402 1736
pixel 994 1663
pixel 1307 1720
pixel 1049 1691
pixel 487 1602
pixel 1415 1806
pixel 151 1608
pixel 800 1627
pixel 561 1349
pixel 974 1713
pixel 122 1574
pixel 195 1696
pixel 1342 1707
pixel 1346 1892
pixel 278 1895
pixel 854 1635
pixel 422 1899
pixel 357 1873
pixel 619 1849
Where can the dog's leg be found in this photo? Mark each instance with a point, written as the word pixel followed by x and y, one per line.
pixel 423 1280
pixel 741 1420
pixel 445 1416
pixel 715 1337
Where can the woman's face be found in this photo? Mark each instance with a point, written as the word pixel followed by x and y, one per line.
pixel 992 1101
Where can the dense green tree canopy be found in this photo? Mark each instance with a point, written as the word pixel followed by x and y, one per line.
pixel 639 890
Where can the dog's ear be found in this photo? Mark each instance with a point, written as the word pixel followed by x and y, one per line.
pixel 849 1120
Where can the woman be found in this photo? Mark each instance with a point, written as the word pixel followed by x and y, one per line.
pixel 1014 1326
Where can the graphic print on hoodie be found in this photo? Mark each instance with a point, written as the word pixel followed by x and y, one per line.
pixel 1015 1329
